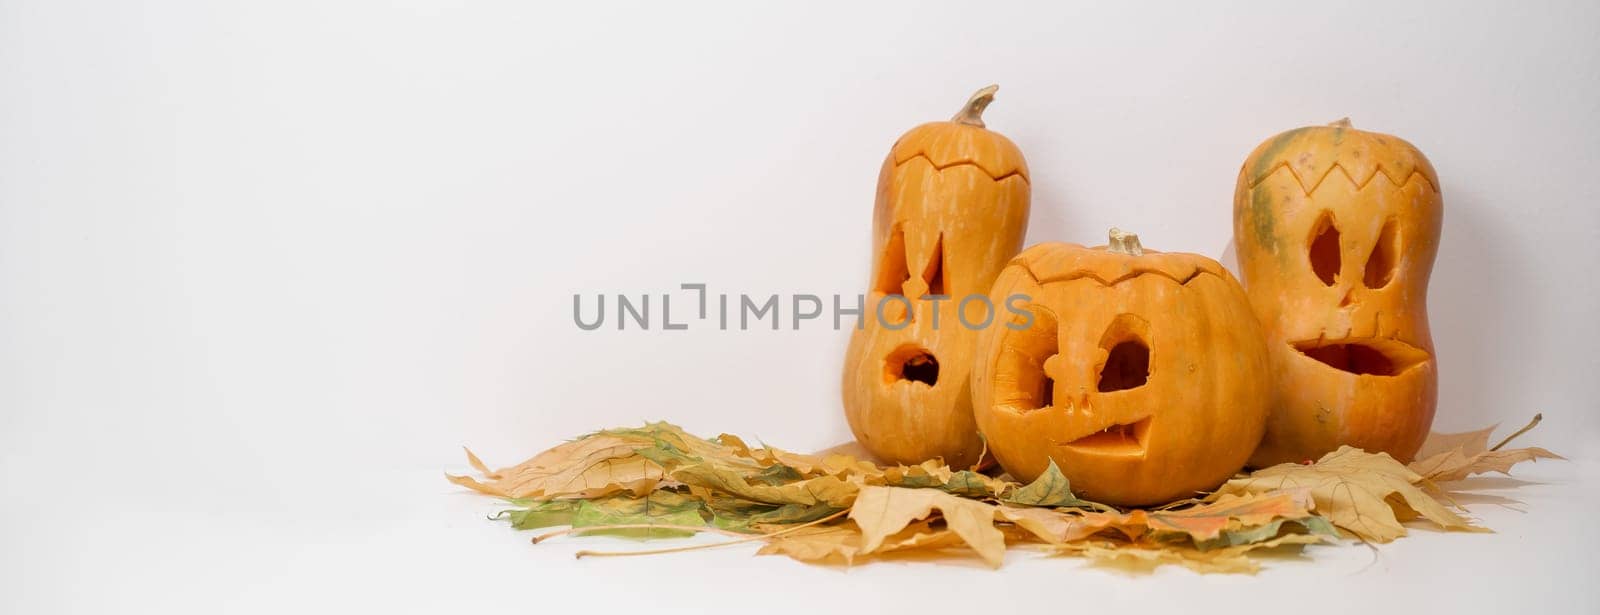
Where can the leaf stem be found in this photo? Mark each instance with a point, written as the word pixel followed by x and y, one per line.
pixel 635 526
pixel 1536 418
pixel 586 553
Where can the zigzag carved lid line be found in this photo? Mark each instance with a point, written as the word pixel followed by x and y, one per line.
pixel 1130 274
pixel 1137 273
pixel 1018 173
pixel 1360 184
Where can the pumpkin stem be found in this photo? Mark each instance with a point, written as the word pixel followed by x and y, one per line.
pixel 1343 122
pixel 1123 242
pixel 972 113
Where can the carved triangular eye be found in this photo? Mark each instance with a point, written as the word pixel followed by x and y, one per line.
pixel 892 270
pixel 1047 390
pixel 1127 367
pixel 1324 249
pixel 1127 354
pixel 1021 364
pixel 933 273
pixel 1385 257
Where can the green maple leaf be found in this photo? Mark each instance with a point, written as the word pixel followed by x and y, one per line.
pixel 1051 489
pixel 659 507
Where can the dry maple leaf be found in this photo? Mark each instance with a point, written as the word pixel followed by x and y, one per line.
pixel 725 471
pixel 656 508
pixel 1353 489
pixel 585 468
pixel 1136 558
pixel 843 543
pixel 829 490
pixel 667 435
pixel 835 464
pixel 1197 524
pixel 1050 489
pixel 935 474
pixel 1054 526
pixel 658 480
pixel 1207 521
pixel 1455 456
pixel 741 515
pixel 884 511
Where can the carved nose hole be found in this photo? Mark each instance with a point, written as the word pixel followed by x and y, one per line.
pixel 1349 298
pixel 1324 249
pixel 1385 257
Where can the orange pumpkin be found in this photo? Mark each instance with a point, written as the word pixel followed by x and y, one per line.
pixel 1336 230
pixel 1138 373
pixel 952 207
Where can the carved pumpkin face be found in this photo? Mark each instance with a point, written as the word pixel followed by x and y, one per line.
pixel 1337 230
pixel 952 208
pixel 1140 375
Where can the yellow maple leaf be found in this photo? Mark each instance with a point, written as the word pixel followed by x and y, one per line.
pixel 1207 521
pixel 1199 524
pixel 1455 456
pixel 830 463
pixel 1354 489
pixel 1143 558
pixel 825 489
pixel 843 542
pixel 884 511
pixel 585 468
pixel 796 503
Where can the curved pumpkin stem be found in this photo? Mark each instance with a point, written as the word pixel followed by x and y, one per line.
pixel 1123 242
pixel 972 113
pixel 1343 122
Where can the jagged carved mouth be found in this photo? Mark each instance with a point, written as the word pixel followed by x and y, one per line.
pixel 1117 439
pixel 1364 356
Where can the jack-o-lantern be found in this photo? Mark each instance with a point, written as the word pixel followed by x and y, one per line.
pixel 952 208
pixel 1140 374
pixel 1336 230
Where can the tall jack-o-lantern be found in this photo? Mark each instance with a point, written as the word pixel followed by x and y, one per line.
pixel 952 208
pixel 1337 230
pixel 1138 373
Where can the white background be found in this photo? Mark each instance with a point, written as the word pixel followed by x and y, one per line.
pixel 264 268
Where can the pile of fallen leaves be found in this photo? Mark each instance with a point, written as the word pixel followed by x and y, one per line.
pixel 658 481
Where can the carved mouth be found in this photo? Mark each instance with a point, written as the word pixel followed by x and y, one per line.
pixel 1117 439
pixel 1364 356
pixel 912 365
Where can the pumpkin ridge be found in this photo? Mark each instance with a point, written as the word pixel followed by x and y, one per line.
pixel 1015 172
pixel 1309 191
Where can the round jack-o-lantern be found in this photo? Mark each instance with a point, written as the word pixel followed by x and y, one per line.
pixel 1336 230
pixel 1142 375
pixel 952 208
